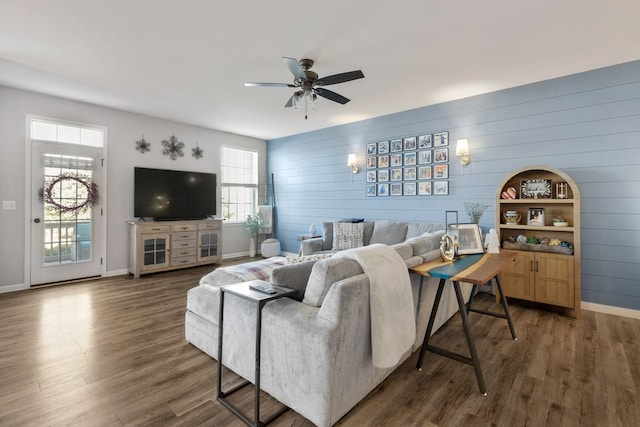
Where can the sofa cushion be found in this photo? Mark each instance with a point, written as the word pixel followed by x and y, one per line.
pixel 324 274
pixel 388 232
pixel 293 276
pixel 415 229
pixel 292 259
pixel 425 243
pixel 347 235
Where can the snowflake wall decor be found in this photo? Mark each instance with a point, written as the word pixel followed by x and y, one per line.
pixel 143 145
pixel 197 152
pixel 173 148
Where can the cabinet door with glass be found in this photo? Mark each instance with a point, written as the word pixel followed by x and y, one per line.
pixel 208 245
pixel 155 251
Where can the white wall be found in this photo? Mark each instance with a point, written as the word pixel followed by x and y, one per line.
pixel 123 129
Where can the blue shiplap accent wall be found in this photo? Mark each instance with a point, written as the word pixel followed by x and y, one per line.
pixel 587 125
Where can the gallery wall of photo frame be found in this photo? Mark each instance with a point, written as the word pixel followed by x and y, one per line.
pixel 409 166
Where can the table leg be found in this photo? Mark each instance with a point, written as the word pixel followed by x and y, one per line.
pixel 503 300
pixel 219 393
pixel 467 330
pixel 432 318
pixel 257 362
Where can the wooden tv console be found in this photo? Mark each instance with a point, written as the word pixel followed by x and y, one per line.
pixel 170 245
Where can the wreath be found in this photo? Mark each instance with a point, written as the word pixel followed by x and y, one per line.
pixel 48 193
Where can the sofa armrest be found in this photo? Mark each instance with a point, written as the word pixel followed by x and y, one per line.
pixel 311 246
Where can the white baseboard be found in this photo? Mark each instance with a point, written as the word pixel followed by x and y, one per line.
pixel 13 288
pixel 609 309
pixel 116 273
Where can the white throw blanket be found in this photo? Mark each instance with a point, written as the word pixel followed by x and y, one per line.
pixel 266 212
pixel 393 328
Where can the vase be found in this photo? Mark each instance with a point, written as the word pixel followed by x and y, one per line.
pixel 312 230
pixel 252 247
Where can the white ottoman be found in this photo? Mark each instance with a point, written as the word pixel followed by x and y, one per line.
pixel 270 248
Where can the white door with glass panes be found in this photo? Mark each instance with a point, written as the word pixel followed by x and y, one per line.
pixel 66 212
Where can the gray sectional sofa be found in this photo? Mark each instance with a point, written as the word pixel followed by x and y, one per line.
pixel 316 347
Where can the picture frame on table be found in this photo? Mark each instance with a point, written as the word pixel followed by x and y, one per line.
pixel 396 145
pixel 372 149
pixel 424 141
pixel 440 139
pixel 469 238
pixel 383 147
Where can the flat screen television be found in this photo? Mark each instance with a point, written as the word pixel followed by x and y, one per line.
pixel 173 195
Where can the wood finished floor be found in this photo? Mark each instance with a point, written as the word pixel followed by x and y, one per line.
pixel 111 352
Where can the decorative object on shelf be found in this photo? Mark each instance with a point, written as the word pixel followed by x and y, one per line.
pixel 197 152
pixel 492 242
pixel 312 230
pixel 535 189
pixel 173 148
pixel 511 217
pixel 447 248
pixel 142 145
pixel 85 193
pixel 536 216
pixel 253 225
pixel 475 211
pixel 509 194
pixel 561 190
pixel 559 221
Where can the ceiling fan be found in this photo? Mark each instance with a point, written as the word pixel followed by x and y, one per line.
pixel 309 86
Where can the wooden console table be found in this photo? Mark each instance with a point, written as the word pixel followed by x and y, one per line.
pixel 475 269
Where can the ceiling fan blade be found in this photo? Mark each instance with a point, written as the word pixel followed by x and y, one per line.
pixel 289 103
pixel 295 68
pixel 252 84
pixel 336 97
pixel 340 78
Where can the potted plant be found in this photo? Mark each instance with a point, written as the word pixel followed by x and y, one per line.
pixel 475 211
pixel 253 225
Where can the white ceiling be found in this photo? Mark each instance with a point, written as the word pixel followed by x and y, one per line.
pixel 187 60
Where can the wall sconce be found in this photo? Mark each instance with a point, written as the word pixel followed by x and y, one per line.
pixel 353 163
pixel 462 150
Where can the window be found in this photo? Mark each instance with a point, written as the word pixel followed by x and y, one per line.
pixel 239 184
pixel 71 134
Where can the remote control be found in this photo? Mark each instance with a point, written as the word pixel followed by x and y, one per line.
pixel 262 288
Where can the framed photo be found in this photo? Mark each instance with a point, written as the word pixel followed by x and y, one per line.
pixel 536 216
pixel 395 189
pixel 424 172
pixel 469 238
pixel 441 155
pixel 409 188
pixel 409 174
pixel 383 189
pixel 396 145
pixel 371 190
pixel 383 175
pixel 410 159
pixel 440 139
pixel 424 188
pixel 372 176
pixel 383 161
pixel 396 174
pixel 535 189
pixel 371 162
pixel 372 149
pixel 383 147
pixel 441 188
pixel 441 171
pixel 410 143
pixel 396 159
pixel 424 141
pixel 424 157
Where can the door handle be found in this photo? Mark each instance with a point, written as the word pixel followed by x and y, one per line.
pixel 37 220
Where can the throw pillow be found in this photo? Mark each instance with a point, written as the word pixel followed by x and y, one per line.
pixel 347 235
pixel 298 259
pixel 388 232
